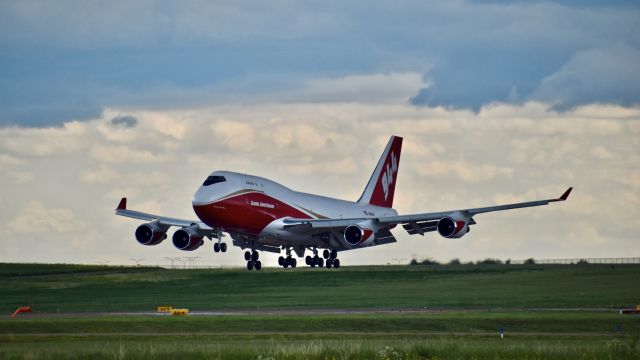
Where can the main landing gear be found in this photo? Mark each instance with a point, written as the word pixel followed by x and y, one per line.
pixel 328 259
pixel 288 261
pixel 220 247
pixel 252 260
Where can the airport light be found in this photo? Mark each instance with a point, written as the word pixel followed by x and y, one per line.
pixel 172 260
pixel 192 260
pixel 183 261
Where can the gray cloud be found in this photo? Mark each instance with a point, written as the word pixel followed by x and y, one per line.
pixel 64 61
pixel 127 121
pixel 605 75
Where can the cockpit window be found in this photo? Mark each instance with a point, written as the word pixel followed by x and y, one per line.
pixel 213 179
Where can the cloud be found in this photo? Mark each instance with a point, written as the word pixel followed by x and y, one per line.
pixel 601 75
pixel 34 142
pixel 35 218
pixel 69 61
pixel 451 159
pixel 126 121
pixel 120 154
pixel 463 170
pixel 372 88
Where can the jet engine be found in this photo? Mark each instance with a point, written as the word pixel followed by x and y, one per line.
pixel 355 235
pixel 187 239
pixel 453 227
pixel 151 233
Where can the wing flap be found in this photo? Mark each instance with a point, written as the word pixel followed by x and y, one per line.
pixel 384 236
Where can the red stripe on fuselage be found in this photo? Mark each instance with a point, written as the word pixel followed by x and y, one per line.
pixel 248 213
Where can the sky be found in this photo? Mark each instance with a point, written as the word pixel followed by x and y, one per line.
pixel 497 101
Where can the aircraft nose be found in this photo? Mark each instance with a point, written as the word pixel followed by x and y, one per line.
pixel 200 197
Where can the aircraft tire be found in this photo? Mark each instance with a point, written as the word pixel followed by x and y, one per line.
pixel 294 262
pixel 255 256
pixel 247 255
pixel 320 262
pixel 257 265
pixel 307 260
pixel 216 247
pixel 334 253
pixel 281 261
pixel 336 263
pixel 328 263
pixel 249 265
pixel 223 247
pixel 325 254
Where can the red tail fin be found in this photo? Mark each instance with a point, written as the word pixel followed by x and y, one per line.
pixel 382 184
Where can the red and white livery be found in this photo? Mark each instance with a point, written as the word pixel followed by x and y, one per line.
pixel 262 215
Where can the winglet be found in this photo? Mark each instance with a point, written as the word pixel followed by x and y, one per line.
pixel 565 196
pixel 123 204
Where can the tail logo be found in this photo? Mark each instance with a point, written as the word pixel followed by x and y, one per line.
pixel 388 175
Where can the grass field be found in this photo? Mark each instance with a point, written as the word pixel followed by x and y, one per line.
pixel 466 307
pixel 72 288
pixel 538 335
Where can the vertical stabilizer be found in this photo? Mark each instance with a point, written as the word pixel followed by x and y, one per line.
pixel 382 184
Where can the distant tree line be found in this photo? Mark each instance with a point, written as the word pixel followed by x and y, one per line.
pixel 456 261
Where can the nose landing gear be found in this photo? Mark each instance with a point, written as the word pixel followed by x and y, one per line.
pixel 220 247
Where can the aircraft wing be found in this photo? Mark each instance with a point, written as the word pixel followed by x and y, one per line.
pixel 123 211
pixel 415 223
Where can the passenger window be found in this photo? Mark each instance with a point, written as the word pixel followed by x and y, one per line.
pixel 213 179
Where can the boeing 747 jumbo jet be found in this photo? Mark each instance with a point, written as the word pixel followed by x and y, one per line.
pixel 262 215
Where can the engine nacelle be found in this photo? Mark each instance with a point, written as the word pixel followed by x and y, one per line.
pixel 187 239
pixel 453 227
pixel 354 235
pixel 151 233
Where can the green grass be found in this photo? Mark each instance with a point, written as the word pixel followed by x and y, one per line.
pixel 449 322
pixel 498 296
pixel 73 288
pixel 321 347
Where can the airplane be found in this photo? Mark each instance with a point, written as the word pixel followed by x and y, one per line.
pixel 262 215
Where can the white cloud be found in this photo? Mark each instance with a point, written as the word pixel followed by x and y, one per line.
pixel 122 154
pixel 8 160
pixel 234 135
pixel 451 159
pixel 43 141
pixel 35 218
pixel 601 153
pixel 463 170
pixel 22 176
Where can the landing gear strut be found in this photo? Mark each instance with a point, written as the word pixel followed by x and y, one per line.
pixel 252 260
